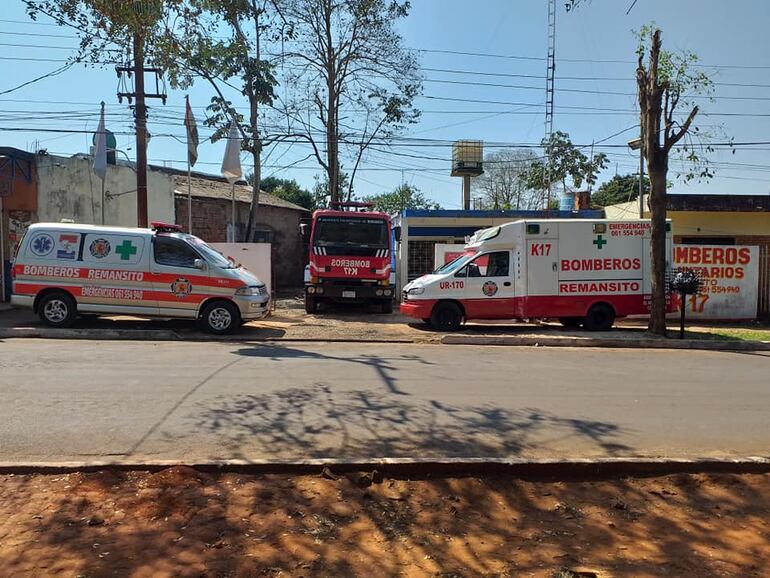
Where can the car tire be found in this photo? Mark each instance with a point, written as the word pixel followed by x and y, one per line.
pixel 571 322
pixel 311 304
pixel 220 318
pixel 57 309
pixel 386 307
pixel 446 316
pixel 600 317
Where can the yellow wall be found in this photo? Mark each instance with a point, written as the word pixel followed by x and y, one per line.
pixel 703 223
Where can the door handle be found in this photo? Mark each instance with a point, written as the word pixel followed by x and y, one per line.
pixel 507 284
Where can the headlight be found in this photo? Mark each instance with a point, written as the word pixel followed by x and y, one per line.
pixel 252 291
pixel 416 291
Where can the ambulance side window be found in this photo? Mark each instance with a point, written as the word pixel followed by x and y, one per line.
pixel 495 264
pixel 174 253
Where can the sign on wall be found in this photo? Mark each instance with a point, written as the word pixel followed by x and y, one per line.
pixel 729 280
pixel 443 253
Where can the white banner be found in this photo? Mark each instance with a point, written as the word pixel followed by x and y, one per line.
pixel 729 280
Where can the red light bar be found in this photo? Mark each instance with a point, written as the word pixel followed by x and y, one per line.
pixel 166 227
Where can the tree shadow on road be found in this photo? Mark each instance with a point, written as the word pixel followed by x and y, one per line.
pixel 383 365
pixel 319 422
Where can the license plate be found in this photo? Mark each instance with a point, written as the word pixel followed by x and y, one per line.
pixel 349 294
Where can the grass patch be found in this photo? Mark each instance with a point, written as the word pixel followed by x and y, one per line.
pixel 726 333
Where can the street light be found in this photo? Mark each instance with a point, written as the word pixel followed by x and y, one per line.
pixel 636 145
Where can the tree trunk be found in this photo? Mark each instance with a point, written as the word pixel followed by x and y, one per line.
pixel 657 169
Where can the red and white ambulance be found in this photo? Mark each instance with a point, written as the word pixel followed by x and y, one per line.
pixel 581 271
pixel 63 269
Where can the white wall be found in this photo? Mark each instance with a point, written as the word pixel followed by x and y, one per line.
pixel 253 256
pixel 69 189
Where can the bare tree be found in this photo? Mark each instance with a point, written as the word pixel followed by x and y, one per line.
pixel 504 182
pixel 350 82
pixel 664 83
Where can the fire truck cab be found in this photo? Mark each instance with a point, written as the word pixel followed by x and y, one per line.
pixel 583 272
pixel 350 251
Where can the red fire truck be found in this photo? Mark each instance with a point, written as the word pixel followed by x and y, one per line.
pixel 350 250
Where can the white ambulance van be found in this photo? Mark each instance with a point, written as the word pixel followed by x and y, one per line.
pixel 583 272
pixel 62 269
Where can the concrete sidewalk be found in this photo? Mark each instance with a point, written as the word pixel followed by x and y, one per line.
pixel 289 322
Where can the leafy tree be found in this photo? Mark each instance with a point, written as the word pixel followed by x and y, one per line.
pixel 504 183
pixel 619 189
pixel 403 197
pixel 665 81
pixel 568 167
pixel 322 193
pixel 188 40
pixel 224 48
pixel 350 75
pixel 288 190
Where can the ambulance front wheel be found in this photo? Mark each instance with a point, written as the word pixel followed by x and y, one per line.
pixel 220 317
pixel 446 316
pixel 600 317
pixel 57 309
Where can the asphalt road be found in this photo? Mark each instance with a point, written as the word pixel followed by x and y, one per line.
pixel 85 400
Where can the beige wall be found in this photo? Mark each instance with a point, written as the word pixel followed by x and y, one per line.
pixel 69 189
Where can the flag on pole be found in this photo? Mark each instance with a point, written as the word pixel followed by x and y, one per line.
pixel 100 150
pixel 231 165
pixel 192 134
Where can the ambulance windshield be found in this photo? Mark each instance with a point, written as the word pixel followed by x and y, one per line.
pixel 212 255
pixel 454 264
pixel 351 231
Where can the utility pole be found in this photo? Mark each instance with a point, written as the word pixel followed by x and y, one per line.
pixel 141 135
pixel 549 95
pixel 137 70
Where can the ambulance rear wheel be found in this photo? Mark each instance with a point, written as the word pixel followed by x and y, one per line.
pixel 58 309
pixel 311 304
pixel 220 317
pixel 571 322
pixel 446 316
pixel 600 317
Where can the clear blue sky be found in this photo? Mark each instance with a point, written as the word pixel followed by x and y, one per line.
pixel 730 38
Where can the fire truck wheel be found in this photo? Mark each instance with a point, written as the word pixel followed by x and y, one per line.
pixel 600 317
pixel 572 322
pixel 58 309
pixel 386 306
pixel 446 316
pixel 220 317
pixel 311 305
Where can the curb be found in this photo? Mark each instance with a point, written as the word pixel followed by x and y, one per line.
pixel 94 334
pixel 169 335
pixel 612 343
pixel 408 467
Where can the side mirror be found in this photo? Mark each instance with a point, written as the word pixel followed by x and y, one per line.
pixel 397 234
pixel 199 264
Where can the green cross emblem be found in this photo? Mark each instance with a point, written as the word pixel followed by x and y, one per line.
pixel 599 242
pixel 125 250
